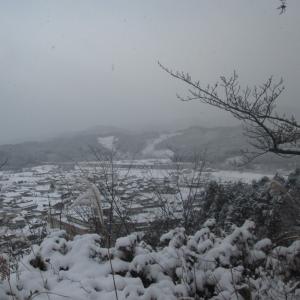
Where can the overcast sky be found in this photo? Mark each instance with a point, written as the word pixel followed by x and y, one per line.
pixel 69 65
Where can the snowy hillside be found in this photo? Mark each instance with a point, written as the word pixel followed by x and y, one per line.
pixel 107 142
pixel 222 147
pixel 150 149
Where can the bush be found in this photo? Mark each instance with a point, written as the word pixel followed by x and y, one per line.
pixel 206 265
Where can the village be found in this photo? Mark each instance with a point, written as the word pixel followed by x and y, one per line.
pixel 133 194
pixel 37 198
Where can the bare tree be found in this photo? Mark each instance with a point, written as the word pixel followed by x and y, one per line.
pixel 3 163
pixel 179 195
pixel 266 130
pixel 109 184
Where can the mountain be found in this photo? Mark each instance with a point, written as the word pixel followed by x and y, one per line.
pixel 220 145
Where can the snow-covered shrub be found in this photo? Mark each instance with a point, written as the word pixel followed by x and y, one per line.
pixel 205 265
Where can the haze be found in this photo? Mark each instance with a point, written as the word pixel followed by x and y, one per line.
pixel 69 65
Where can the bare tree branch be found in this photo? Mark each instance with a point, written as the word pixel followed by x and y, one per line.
pixel 2 164
pixel 266 130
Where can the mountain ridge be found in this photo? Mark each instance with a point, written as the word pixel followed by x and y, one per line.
pixel 219 144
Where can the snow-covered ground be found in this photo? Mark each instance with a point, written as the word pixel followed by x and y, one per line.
pixel 33 191
pixel 247 177
pixel 158 168
pixel 79 269
pixel 217 175
pixel 44 169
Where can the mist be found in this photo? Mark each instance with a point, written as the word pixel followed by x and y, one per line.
pixel 67 65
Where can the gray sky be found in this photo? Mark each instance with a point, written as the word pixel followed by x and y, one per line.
pixel 68 65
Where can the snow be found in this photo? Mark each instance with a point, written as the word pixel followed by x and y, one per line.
pixel 247 177
pixel 150 150
pixel 44 169
pixel 83 268
pixel 209 223
pixel 107 142
pixel 80 268
pixel 126 242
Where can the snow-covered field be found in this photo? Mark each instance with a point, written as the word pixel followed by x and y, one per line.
pixel 247 177
pixel 217 175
